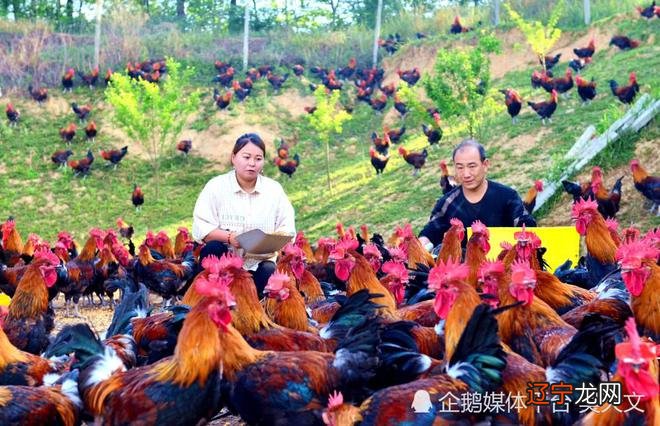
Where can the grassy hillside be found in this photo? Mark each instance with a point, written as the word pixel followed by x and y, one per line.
pixel 45 200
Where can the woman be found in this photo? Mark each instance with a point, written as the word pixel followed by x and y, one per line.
pixel 239 201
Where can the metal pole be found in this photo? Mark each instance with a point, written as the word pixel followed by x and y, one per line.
pixel 379 12
pixel 97 36
pixel 246 36
pixel 587 12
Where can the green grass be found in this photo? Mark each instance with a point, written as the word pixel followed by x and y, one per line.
pixel 45 200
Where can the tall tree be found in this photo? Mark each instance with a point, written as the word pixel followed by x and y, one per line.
pixel 181 8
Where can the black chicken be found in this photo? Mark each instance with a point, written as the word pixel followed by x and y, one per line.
pixel 586 89
pixel 586 52
pixel 82 166
pixel 114 156
pixel 545 109
pixel 137 197
pixel 626 94
pixel 378 160
pixel 513 103
pixel 60 157
pixel 624 43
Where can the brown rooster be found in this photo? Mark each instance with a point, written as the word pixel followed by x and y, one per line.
pixel 447 182
pixel 184 146
pixel 12 114
pixel 378 160
pixel 586 52
pixel 646 184
pixel 586 89
pixel 67 80
pixel 530 198
pixel 457 28
pixel 137 197
pixel 433 133
pixel 513 103
pixel 545 109
pixel 30 319
pixel 91 78
pixel 82 111
pixel 68 133
pixel 623 42
pixel 114 156
pixel 38 94
pixel 288 166
pixel 91 131
pixel 222 101
pixel 82 166
pixel 415 159
pixel 626 94
pixel 409 76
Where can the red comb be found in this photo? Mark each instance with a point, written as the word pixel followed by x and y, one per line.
pixel 230 260
pixel 521 272
pixel 397 269
pixel 372 250
pixel 582 205
pixel 490 267
pixel 456 222
pixel 444 272
pixel 44 253
pixel 479 228
pixel 336 400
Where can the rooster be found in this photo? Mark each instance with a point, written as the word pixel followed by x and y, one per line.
pixel 18 367
pixel 415 159
pixel 624 43
pixel 433 134
pixel 12 114
pixel 288 309
pixel 388 89
pixel 60 157
pixel 68 133
pixel 400 106
pixel 578 64
pixel 57 404
pixel 184 146
pixel 536 79
pixel 626 94
pixel 30 319
pixel 550 61
pixel 601 248
pixel 394 134
pixel 114 156
pixel 67 80
pixel 409 76
pixel 647 12
pixel 283 149
pixel 457 28
pixel 12 244
pixel 513 103
pixel 82 166
pixel 39 94
pixel 608 203
pixel 298 70
pixel 641 274
pixel 164 277
pixel 447 182
pixel 108 77
pixel 137 197
pixel 276 81
pixel 378 104
pixel 91 131
pixel 530 198
pixel 561 84
pixel 647 185
pixel 586 52
pixel 288 166
pixel 348 71
pixel 183 388
pixel 225 78
pixel 545 109
pixel 221 66
pixel 91 78
pixel 222 101
pixel 81 111
pixel 586 89
pixel 637 373
pixel 378 160
pixel 240 92
pixel 479 350
pixel 382 145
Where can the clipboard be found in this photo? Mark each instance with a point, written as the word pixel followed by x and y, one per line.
pixel 257 241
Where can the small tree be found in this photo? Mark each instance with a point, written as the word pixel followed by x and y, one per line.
pixel 460 81
pixel 327 120
pixel 540 37
pixel 153 114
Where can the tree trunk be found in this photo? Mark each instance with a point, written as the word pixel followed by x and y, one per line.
pixel 180 8
pixel 69 11
pixel 18 9
pixel 145 4
pixel 379 13
pixel 97 35
pixel 587 12
pixel 246 37
pixel 496 12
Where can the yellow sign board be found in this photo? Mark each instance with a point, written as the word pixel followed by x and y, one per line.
pixel 4 299
pixel 562 242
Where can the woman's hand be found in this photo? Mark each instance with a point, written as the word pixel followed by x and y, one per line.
pixel 232 241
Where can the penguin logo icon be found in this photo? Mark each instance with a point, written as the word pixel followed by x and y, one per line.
pixel 421 402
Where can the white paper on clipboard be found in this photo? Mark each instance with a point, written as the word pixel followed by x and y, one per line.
pixel 257 241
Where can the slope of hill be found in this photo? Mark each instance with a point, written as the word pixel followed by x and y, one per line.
pixel 45 200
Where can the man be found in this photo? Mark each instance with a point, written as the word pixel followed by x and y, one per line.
pixel 475 198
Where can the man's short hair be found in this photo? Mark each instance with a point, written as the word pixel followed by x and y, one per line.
pixel 469 142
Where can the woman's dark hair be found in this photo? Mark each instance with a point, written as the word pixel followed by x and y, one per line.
pixel 252 138
pixel 469 142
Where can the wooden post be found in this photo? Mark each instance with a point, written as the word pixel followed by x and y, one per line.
pixel 587 12
pixel 246 36
pixel 97 36
pixel 379 13
pixel 496 12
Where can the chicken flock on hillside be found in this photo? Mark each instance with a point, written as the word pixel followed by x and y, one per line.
pixel 348 332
